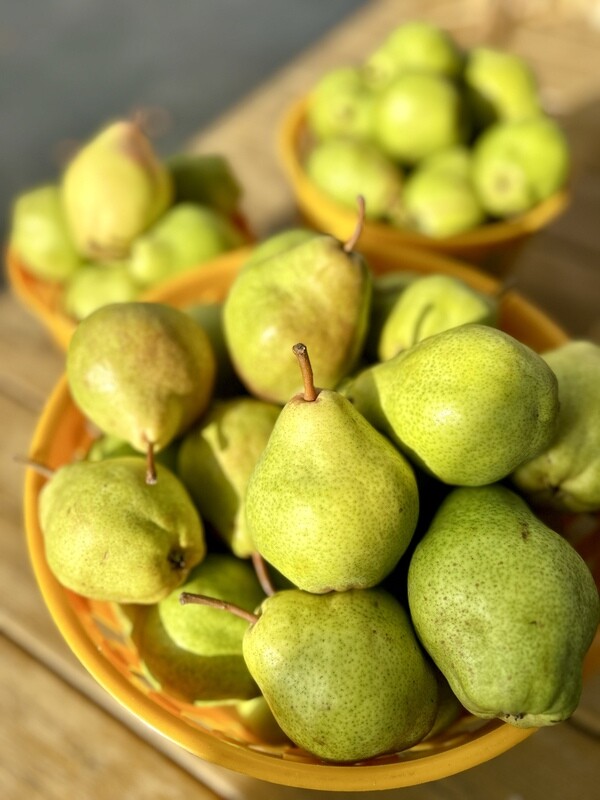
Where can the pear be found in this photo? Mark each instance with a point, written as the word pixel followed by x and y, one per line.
pixel 467 405
pixel 109 536
pixel 517 165
pixel 415 46
pixel 566 475
pixel 40 236
pixel 343 672
pixel 205 179
pixel 500 86
pixel 387 288
pixel 318 291
pixel 141 371
pixel 113 189
pixel 418 114
pixel 185 236
pixel 505 607
pixel 340 104
pixel 195 654
pixel 216 459
pixel 97 285
pixel 331 503
pixel 344 169
pixel 107 446
pixel 259 720
pixel 429 305
pixel 210 317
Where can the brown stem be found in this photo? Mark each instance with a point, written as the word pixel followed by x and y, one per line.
pixel 150 464
pixel 214 602
pixel 360 222
pixel 301 353
pixel 42 469
pixel 262 573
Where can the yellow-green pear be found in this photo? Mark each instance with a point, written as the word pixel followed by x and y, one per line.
pixel 110 536
pixel 216 459
pixel 113 189
pixel 317 291
pixel 185 236
pixel 429 305
pixel 341 104
pixel 40 236
pixel 566 475
pixel 141 371
pixel 505 606
pixel 342 672
pixel 195 653
pixel 467 405
pixel 331 503
pixel 97 285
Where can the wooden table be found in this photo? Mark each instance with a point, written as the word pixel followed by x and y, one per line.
pixel 63 736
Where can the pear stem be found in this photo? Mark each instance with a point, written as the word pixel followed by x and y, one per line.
pixel 42 469
pixel 150 464
pixel 360 222
pixel 186 598
pixel 262 573
pixel 301 353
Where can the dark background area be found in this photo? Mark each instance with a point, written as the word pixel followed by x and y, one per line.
pixel 69 66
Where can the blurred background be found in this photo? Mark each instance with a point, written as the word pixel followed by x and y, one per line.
pixel 68 66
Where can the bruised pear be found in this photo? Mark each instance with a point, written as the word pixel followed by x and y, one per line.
pixel 113 189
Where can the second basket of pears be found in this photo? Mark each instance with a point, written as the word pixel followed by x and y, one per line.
pixel 361 479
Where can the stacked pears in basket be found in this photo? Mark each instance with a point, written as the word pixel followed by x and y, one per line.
pixel 347 537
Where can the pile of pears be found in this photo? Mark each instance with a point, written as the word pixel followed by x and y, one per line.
pixel 121 220
pixel 325 507
pixel 439 139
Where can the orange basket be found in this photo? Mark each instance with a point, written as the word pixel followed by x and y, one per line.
pixel 99 633
pixel 492 246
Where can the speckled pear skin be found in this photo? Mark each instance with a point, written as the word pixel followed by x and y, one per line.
pixel 314 292
pixel 331 503
pixel 343 672
pixel 216 459
pixel 566 475
pixel 505 607
pixel 194 652
pixel 141 371
pixel 429 305
pixel 109 535
pixel 467 405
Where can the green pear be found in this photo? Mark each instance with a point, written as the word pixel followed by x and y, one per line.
pixel 500 86
pixel 113 189
pixel 210 317
pixel 340 104
pixel 343 672
pixel 415 46
pixel 97 285
pixel 141 371
pixel 215 461
pixel 195 654
pixel 206 180
pixel 185 236
pixel 343 169
pixel 387 288
pixel 429 305
pixel 505 607
pixel 308 509
pixel 109 536
pixel 317 291
pixel 259 720
pixel 418 114
pixel 518 164
pixel 40 236
pixel 566 475
pixel 439 204
pixel 467 405
pixel 455 161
